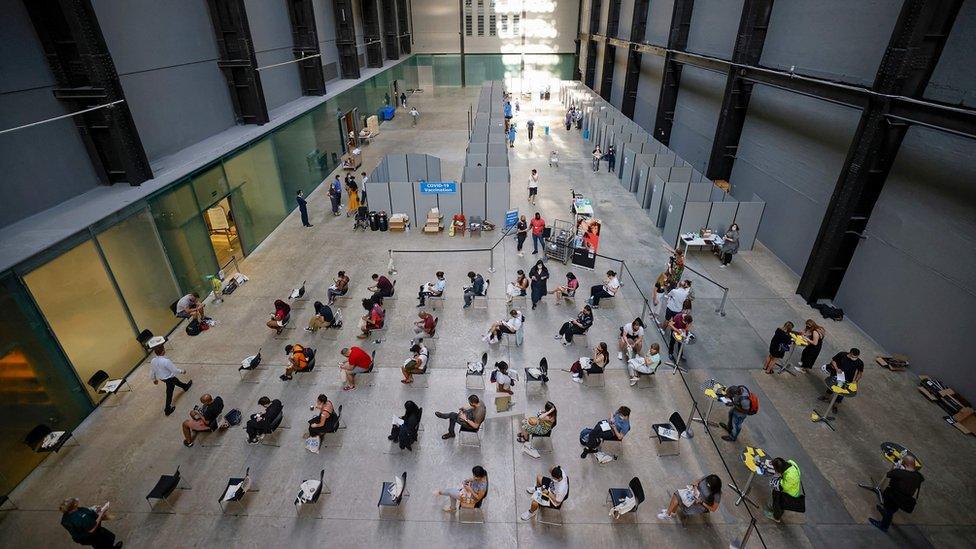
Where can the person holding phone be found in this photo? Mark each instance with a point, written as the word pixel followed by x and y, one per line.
pixel 547 492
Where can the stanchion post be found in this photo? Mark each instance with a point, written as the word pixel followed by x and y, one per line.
pixel 741 543
pixel 491 260
pixel 721 306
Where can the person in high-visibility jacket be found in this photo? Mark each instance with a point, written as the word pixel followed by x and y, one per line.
pixel 786 490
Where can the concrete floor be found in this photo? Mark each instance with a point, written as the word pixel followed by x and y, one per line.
pixel 124 449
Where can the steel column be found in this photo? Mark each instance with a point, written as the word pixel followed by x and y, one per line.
pixel 345 25
pixel 671 80
pixel 637 29
pixel 237 61
pixel 390 29
pixel 371 33
pixel 306 39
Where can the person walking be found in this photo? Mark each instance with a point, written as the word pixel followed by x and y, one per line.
pixel 414 114
pixel 511 136
pixel 597 155
pixel 521 233
pixel 611 159
pixel 533 186
pixel 403 100
pixel 85 524
pixel 163 369
pixel 743 404
pixel 529 128
pixel 538 277
pixel 335 195
pixel 904 483
pixel 302 208
pixel 538 226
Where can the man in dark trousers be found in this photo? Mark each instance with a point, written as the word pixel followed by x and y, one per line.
pixel 403 100
pixel 530 127
pixel 741 406
pixel 85 525
pixel 303 208
pixel 260 423
pixel 903 484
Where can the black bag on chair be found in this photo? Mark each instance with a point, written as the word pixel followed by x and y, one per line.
pixel 193 328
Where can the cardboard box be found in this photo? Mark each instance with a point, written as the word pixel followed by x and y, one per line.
pixel 965 420
pixel 895 363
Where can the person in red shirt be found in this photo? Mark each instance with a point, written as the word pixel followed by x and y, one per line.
pixel 374 318
pixel 680 323
pixel 424 327
pixel 357 361
pixel 537 225
pixel 280 317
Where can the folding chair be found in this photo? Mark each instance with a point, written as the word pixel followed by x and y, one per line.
pixel 667 445
pixel 241 486
pixel 391 301
pixel 309 371
pixel 474 515
pixel 616 496
pixel 387 501
pixel 516 339
pixel 42 439
pixel 331 333
pixel 594 380
pixel 164 488
pixel 422 380
pixel 248 365
pixel 645 381
pixel 148 340
pixel 395 445
pixel 541 379
pixel 101 384
pixel 476 380
pixel 298 295
pixel 546 437
pixel 271 438
pixel 366 378
pixel 335 440
pixel 555 513
pixel 319 487
pixel 285 327
pixel 482 298
pixel 434 338
pixel 468 436
pixel 432 300
pixel 582 339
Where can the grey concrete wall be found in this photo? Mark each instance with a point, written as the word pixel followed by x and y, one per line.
pixel 835 39
pixel 271 33
pixel 659 22
pixel 714 24
pixel 791 153
pixel 910 284
pixel 648 91
pixel 325 26
pixel 954 80
pixel 34 181
pixel 166 57
pixel 696 115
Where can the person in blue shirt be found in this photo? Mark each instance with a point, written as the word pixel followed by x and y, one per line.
pixel 511 135
pixel 335 195
pixel 615 427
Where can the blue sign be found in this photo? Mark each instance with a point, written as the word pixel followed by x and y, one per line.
pixel 438 187
pixel 511 218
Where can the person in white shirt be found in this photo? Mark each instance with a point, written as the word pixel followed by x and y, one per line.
pixel 414 114
pixel 416 364
pixel 432 289
pixel 508 326
pixel 190 306
pixel 607 289
pixel 644 364
pixel 533 186
pixel 547 492
pixel 163 369
pixel 631 339
pixel 676 299
pixel 553 159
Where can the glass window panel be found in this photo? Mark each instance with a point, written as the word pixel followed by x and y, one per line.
pixel 140 267
pixel 258 202
pixel 36 384
pixel 301 160
pixel 185 237
pixel 80 304
pixel 327 137
pixel 210 186
pixel 447 70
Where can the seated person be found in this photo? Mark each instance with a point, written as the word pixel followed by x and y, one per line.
pixel 591 365
pixel 503 386
pixel 298 359
pixel 566 290
pixel 701 497
pixel 325 421
pixel 576 327
pixel 607 289
pixel 432 289
pixel 424 327
pixel 614 428
pixel 416 364
pixel 547 492
pixel 471 416
pixel 190 306
pixel 323 318
pixel 339 287
pixel 517 288
pixel 540 424
pixel 280 316
pixel 477 288
pixel 472 491
pixel 644 364
pixel 404 431
pixel 786 486
pixel 357 361
pixel 374 318
pixel 509 326
pixel 382 287
pixel 631 339
pixel 261 422
pixel 202 418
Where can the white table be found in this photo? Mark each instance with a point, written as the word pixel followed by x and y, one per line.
pixel 693 239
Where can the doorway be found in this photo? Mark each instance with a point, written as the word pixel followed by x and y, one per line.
pixel 224 236
pixel 349 129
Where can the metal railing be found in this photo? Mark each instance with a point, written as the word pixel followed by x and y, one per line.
pixel 491 252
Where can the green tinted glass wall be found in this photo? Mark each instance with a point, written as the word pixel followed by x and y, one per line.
pixel 80 303
pixel 36 383
pixel 210 186
pixel 447 70
pixel 299 156
pixel 185 237
pixel 253 174
pixel 138 262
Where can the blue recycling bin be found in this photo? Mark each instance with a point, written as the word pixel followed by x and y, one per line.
pixel 586 134
pixel 547 130
pixel 388 112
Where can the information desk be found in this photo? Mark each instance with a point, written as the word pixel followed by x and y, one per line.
pixel 694 239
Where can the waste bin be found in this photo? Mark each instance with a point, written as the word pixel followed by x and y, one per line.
pixel 547 129
pixel 384 221
pixel 586 133
pixel 374 221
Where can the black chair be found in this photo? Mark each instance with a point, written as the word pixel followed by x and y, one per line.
pixel 540 379
pixel 250 366
pixel 310 354
pixel 555 510
pixel 617 495
pixel 546 437
pixel 322 488
pixel 387 501
pixel 481 298
pixel 395 443
pixel 101 384
pixel 368 374
pixel 173 305
pixel 164 488
pixel 475 515
pixel 270 438
pixel 36 437
pixel 667 446
pixel 298 293
pixel 332 428
pixel 238 495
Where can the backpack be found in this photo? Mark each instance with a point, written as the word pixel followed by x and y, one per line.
pixel 753 404
pixel 233 417
pixel 193 328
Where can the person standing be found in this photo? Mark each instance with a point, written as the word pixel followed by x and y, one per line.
pixel 352 191
pixel 163 369
pixel 414 114
pixel 538 277
pixel 538 226
pixel 904 483
pixel 508 114
pixel 675 300
pixel 403 100
pixel 302 208
pixel 786 487
pixel 511 136
pixel 533 184
pixel 611 159
pixel 597 155
pixel 85 524
pixel 847 365
pixel 778 346
pixel 529 128
pixel 521 233
pixel 730 244
pixel 741 406
pixel 814 335
pixel 335 195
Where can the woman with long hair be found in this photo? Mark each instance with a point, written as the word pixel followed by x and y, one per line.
pixel 814 335
pixel 591 365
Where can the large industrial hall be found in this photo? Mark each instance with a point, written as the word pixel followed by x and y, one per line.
pixel 487 273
